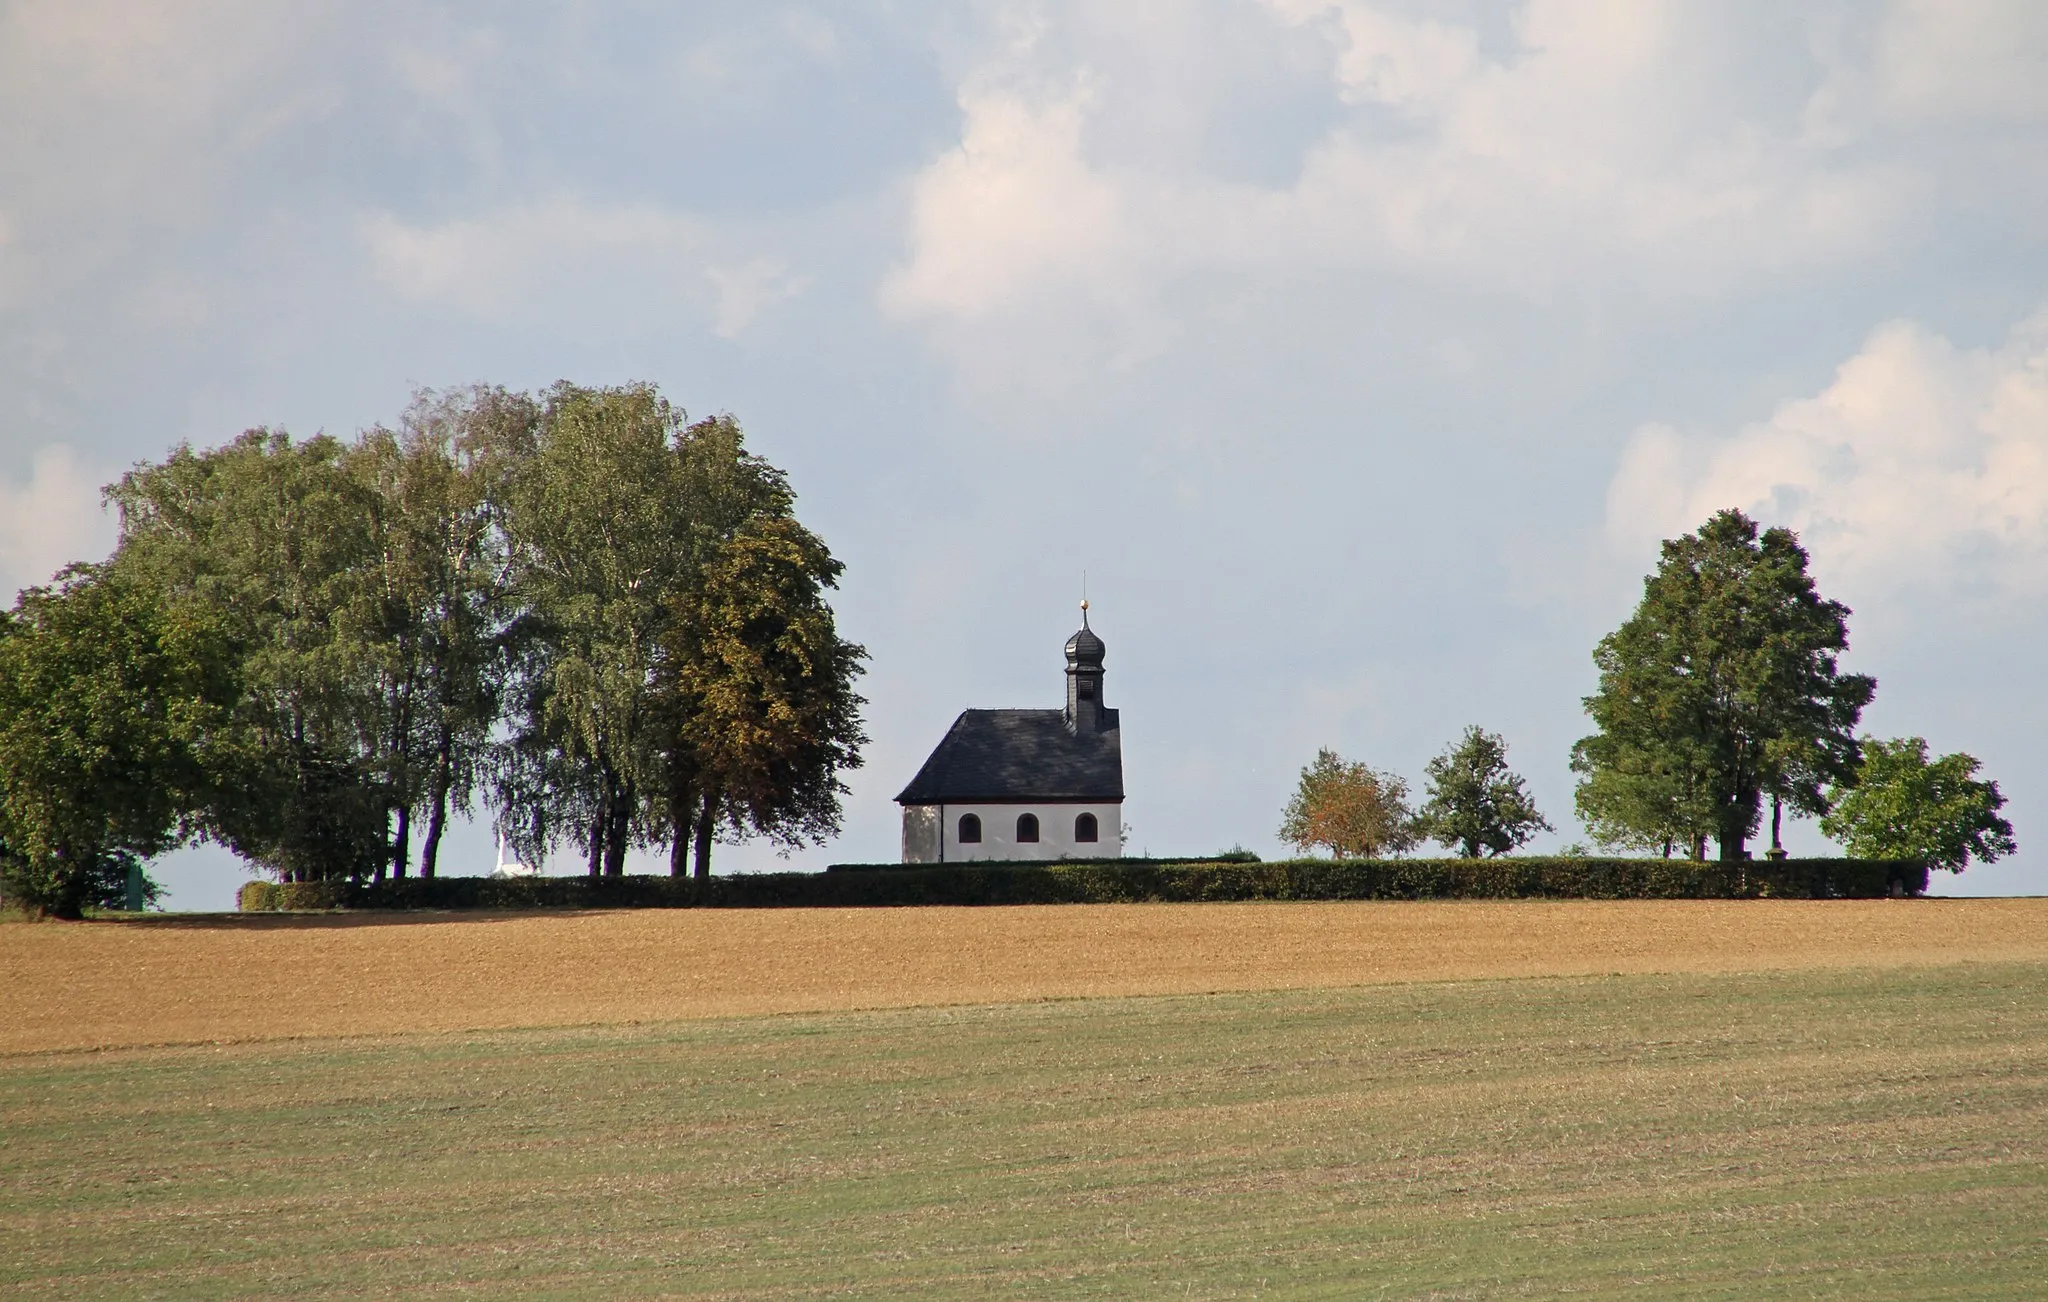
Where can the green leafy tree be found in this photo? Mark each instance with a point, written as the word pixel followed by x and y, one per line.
pixel 1350 809
pixel 612 520
pixel 276 542
pixel 762 686
pixel 434 614
pixel 1476 804
pixel 1723 687
pixel 109 700
pixel 1906 806
pixel 596 530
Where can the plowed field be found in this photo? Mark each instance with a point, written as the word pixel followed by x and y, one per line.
pixel 183 980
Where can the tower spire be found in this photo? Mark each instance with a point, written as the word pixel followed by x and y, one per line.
pixel 1084 677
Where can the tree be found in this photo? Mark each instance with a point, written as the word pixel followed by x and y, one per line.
pixel 598 537
pixel 1475 802
pixel 604 613
pixel 275 541
pixel 761 685
pixel 1352 810
pixel 435 617
pixel 1721 688
pixel 1905 806
pixel 612 521
pixel 109 699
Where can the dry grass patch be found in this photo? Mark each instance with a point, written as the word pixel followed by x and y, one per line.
pixel 180 980
pixel 1837 1132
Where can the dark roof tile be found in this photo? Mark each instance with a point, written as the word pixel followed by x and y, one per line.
pixel 1021 755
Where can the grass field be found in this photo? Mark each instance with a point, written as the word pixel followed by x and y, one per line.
pixel 181 979
pixel 1827 1129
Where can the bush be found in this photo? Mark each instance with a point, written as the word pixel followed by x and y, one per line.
pixel 296 897
pixel 1120 881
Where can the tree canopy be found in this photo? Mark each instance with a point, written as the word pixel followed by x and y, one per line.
pixel 110 702
pixel 1906 806
pixel 601 615
pixel 1350 809
pixel 1721 689
pixel 1475 803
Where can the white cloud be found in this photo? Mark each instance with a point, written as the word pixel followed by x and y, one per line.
pixel 52 520
pixel 745 290
pixel 567 255
pixel 120 108
pixel 1921 465
pixel 519 260
pixel 1011 213
pixel 1619 143
pixel 1387 59
pixel 1945 59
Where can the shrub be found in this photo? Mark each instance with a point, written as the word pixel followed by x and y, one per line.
pixel 297 897
pixel 1118 881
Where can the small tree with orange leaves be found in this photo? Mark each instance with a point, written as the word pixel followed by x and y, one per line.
pixel 1353 810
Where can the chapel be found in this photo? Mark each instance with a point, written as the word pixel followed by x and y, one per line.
pixel 1024 784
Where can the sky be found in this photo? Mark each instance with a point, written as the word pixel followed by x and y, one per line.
pixel 1359 353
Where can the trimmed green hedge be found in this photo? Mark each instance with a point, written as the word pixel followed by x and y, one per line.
pixel 1114 881
pixel 293 897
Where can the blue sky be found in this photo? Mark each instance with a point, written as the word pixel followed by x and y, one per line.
pixel 1360 353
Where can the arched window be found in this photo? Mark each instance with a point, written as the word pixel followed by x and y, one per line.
pixel 1027 829
pixel 970 829
pixel 1085 828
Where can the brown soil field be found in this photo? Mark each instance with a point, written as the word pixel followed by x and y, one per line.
pixel 200 979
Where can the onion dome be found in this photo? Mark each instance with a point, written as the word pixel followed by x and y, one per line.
pixel 1084 649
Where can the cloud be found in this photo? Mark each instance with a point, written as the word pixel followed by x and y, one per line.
pixel 520 260
pixel 1627 144
pixel 1921 465
pixel 570 256
pixel 123 109
pixel 1987 60
pixel 52 520
pixel 744 291
pixel 1011 213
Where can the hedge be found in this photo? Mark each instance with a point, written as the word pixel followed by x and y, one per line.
pixel 270 897
pixel 1129 881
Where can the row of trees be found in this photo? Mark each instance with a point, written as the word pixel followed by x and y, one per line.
pixel 1474 804
pixel 598 619
pixel 1722 693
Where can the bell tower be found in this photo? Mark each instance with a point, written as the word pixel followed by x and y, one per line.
pixel 1084 678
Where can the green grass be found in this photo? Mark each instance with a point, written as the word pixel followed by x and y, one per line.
pixel 1869 1134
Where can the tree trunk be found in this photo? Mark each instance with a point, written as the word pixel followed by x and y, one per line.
pixel 69 901
pixel 435 823
pixel 1777 850
pixel 1734 833
pixel 707 823
pixel 437 819
pixel 401 848
pixel 682 817
pixel 597 843
pixel 401 844
pixel 619 827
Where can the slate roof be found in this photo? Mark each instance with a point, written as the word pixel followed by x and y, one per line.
pixel 998 755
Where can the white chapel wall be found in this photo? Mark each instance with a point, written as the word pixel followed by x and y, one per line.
pixel 999 831
pixel 920 834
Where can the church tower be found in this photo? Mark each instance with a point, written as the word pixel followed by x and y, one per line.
pixel 1084 679
pixel 1009 785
